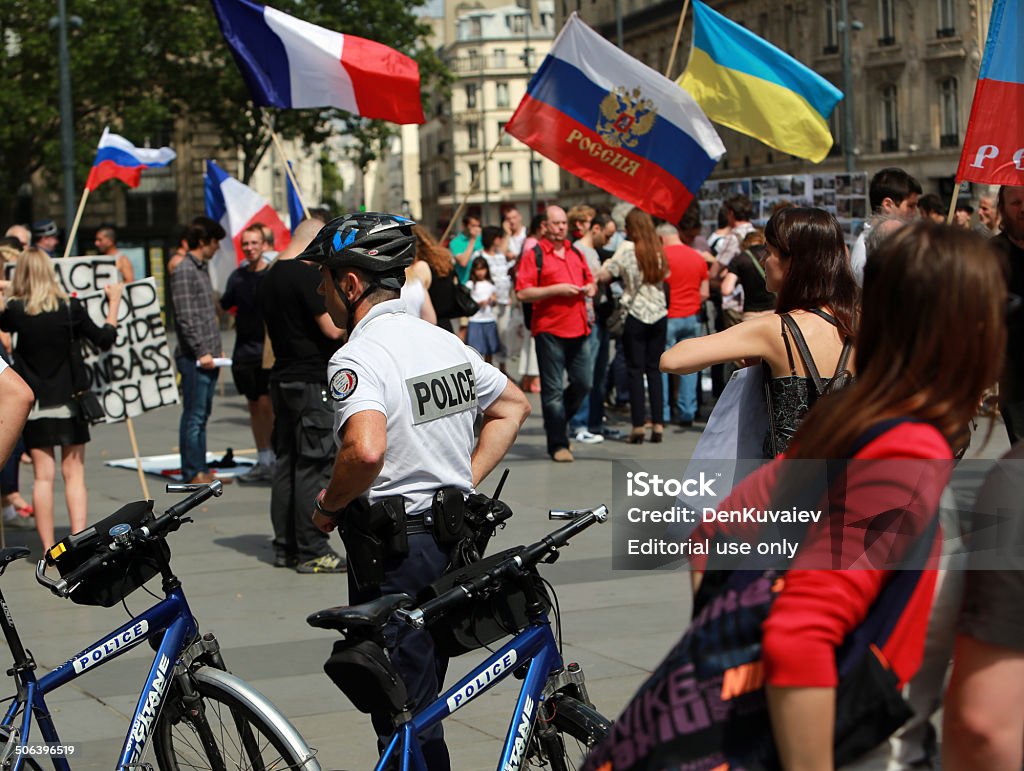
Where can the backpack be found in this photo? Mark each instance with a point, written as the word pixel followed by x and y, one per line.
pixel 538 254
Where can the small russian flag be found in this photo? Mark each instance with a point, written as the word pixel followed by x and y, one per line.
pixel 117 158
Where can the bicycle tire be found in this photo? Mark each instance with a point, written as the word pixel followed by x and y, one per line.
pixel 568 715
pixel 236 735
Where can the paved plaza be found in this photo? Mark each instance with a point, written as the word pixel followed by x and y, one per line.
pixel 616 624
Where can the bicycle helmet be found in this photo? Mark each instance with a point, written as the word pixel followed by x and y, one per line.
pixel 382 245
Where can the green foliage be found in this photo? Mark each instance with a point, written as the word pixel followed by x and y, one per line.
pixel 138 65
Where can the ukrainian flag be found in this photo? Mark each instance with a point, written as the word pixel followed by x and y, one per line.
pixel 749 85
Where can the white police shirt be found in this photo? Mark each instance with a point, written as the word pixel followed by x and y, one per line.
pixel 429 385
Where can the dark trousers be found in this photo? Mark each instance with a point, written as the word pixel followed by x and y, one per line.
pixel 558 357
pixel 595 417
pixel 644 344
pixel 412 650
pixel 1013 418
pixel 304 445
pixel 9 474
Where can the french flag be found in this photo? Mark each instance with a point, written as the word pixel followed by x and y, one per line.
pixel 117 158
pixel 236 206
pixel 290 63
pixel 606 117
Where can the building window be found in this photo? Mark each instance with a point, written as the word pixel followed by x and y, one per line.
pixel 538 173
pixel 505 173
pixel 474 172
pixel 890 121
pixel 831 27
pixel 947 19
pixel 499 57
pixel 886 22
pixel 504 137
pixel 835 126
pixel 501 94
pixel 475 28
pixel 517 23
pixel 474 135
pixel 471 96
pixel 949 103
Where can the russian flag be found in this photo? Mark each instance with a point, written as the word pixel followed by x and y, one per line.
pixel 606 117
pixel 290 63
pixel 117 158
pixel 236 206
pixel 993 150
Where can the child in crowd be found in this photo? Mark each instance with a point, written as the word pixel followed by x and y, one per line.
pixel 483 328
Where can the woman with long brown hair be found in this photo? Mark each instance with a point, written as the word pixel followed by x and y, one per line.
pixel 434 268
pixel 49 325
pixel 641 264
pixel 808 336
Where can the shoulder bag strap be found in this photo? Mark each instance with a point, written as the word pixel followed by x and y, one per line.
pixel 805 352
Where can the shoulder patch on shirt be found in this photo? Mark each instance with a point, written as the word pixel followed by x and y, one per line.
pixel 442 393
pixel 343 384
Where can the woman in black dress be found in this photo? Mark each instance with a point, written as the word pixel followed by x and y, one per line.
pixel 48 325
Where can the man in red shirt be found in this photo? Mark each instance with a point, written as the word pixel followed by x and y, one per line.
pixel 688 289
pixel 559 327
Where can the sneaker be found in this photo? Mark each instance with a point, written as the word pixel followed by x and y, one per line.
pixel 261 472
pixel 325 563
pixel 562 455
pixel 286 560
pixel 585 437
pixel 612 433
pixel 15 521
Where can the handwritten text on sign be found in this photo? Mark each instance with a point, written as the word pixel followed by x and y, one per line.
pixel 137 374
pixel 80 275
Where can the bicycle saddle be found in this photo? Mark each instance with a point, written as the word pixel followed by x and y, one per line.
pixel 12 553
pixel 371 614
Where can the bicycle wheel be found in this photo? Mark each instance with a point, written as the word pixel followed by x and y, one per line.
pixel 222 732
pixel 566 731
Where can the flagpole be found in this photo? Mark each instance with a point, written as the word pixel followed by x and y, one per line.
pixel 952 203
pixel 675 43
pixel 472 188
pixel 74 228
pixel 284 159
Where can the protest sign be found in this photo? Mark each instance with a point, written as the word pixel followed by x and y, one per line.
pixel 137 374
pixel 80 275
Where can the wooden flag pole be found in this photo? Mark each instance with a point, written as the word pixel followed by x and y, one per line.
pixel 287 167
pixel 952 203
pixel 472 189
pixel 74 228
pixel 675 43
pixel 138 458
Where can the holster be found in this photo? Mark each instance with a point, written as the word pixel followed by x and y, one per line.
pixel 371 535
pixel 448 511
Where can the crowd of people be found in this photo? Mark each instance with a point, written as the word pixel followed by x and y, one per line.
pixel 859 352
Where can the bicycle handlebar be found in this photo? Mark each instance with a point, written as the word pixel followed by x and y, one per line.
pixel 529 557
pixel 170 520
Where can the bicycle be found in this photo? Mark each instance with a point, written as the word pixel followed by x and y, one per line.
pixel 192 711
pixel 553 700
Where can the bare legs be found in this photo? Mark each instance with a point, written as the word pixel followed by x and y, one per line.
pixel 72 468
pixel 261 416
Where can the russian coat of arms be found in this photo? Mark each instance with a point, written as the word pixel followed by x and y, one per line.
pixel 625 117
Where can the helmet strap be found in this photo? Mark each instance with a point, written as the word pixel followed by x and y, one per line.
pixel 351 305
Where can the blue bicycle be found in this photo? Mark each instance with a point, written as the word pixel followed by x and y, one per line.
pixel 553 701
pixel 191 712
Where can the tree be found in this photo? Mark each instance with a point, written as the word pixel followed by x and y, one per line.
pixel 137 65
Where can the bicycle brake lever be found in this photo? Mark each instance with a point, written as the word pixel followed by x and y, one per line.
pixel 552 557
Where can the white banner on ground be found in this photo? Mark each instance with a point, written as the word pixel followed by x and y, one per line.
pixel 137 374
pixel 80 275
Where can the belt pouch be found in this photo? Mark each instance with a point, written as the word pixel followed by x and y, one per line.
pixel 449 514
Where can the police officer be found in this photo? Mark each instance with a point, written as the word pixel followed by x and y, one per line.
pixel 406 395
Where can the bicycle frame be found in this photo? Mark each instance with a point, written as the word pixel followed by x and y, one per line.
pixel 170 616
pixel 535 645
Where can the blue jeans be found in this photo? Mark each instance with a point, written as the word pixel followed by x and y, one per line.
pixel 680 329
pixel 556 357
pixel 581 419
pixel 197 386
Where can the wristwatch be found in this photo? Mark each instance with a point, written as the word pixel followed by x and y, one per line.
pixel 318 504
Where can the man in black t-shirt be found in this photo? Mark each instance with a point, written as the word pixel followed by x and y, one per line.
pixel 1010 241
pixel 251 379
pixel 303 338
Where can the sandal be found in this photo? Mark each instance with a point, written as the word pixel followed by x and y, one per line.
pixel 657 435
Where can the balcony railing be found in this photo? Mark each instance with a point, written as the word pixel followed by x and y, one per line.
pixel 467 65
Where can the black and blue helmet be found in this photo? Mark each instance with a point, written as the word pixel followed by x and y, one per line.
pixel 381 244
